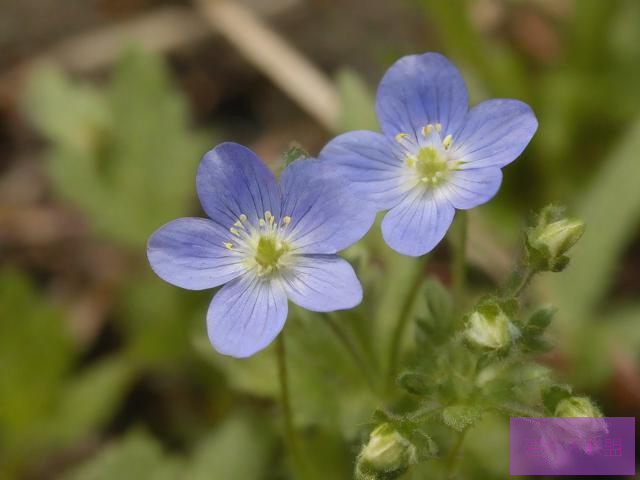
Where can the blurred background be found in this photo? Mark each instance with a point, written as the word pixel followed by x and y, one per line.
pixel 106 107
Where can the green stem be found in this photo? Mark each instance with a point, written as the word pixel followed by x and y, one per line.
pixel 401 324
pixel 283 376
pixel 356 355
pixel 517 282
pixel 454 456
pixel 458 265
pixel 525 282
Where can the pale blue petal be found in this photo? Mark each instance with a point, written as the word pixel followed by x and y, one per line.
pixel 322 283
pixel 372 163
pixel 325 216
pixel 232 180
pixel 418 223
pixel 418 90
pixel 469 188
pixel 246 315
pixel 494 134
pixel 190 253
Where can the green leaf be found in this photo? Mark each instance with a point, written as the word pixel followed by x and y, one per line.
pixel 35 354
pixel 256 375
pixel 425 445
pixel 74 117
pixel 88 400
pixel 460 417
pixel 127 156
pixel 238 449
pixel 356 100
pixel 159 331
pixel 416 383
pixel 136 456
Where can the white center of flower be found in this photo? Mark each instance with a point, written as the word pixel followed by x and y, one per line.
pixel 428 158
pixel 265 246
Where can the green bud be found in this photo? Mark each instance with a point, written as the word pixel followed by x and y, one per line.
pixel 551 238
pixel 540 320
pixel 386 456
pixel 560 236
pixel 577 407
pixel 416 383
pixel 293 153
pixel 488 327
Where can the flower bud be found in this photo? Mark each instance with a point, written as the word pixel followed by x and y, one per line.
pixel 488 327
pixel 577 407
pixel 387 455
pixel 551 238
pixel 590 424
pixel 560 236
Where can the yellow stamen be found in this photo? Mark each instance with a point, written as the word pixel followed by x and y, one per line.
pixel 286 220
pixel 243 217
pixel 411 161
pixel 262 222
pixel 447 141
pixel 401 136
pixel 269 217
pixel 426 130
pixel 234 231
pixel 229 245
pixel 438 127
pixel 238 224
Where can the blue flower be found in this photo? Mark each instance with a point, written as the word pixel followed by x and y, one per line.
pixel 267 242
pixel 434 155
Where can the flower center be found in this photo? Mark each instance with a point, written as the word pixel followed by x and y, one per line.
pixel 262 246
pixel 431 162
pixel 431 166
pixel 268 252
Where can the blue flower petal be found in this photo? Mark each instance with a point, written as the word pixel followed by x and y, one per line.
pixel 418 223
pixel 322 283
pixel 232 180
pixel 246 315
pixel 372 163
pixel 418 90
pixel 325 216
pixel 190 253
pixel 494 134
pixel 469 188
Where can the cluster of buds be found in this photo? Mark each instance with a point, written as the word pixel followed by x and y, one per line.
pixel 551 237
pixel 387 455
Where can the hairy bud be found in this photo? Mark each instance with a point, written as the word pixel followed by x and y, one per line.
pixel 577 407
pixel 386 456
pixel 488 327
pixel 549 240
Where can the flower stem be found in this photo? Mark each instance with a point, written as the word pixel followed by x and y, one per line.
pixel 402 321
pixel 458 264
pixel 517 281
pixel 283 376
pixel 342 335
pixel 454 456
